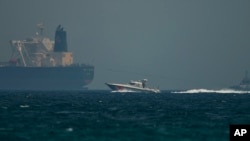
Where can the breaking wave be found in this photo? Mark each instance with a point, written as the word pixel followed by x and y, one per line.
pixel 222 91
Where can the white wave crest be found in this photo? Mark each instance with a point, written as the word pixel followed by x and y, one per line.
pixel 24 106
pixel 70 129
pixel 222 91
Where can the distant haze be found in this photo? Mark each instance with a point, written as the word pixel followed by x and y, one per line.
pixel 175 44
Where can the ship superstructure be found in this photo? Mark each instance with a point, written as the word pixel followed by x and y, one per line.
pixel 41 63
pixel 40 51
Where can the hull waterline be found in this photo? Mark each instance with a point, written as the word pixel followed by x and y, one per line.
pixel 45 78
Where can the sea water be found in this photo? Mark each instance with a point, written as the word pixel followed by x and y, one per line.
pixel 101 115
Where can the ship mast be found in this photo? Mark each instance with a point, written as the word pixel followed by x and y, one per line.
pixel 41 28
pixel 19 47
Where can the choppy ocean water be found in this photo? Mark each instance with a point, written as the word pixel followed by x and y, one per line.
pixel 192 115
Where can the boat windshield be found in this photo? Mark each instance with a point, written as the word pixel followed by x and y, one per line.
pixel 135 83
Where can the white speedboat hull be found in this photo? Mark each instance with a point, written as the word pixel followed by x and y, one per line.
pixel 125 87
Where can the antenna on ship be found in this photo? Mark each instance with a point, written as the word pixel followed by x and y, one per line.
pixel 41 28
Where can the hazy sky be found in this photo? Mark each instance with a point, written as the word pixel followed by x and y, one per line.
pixel 176 44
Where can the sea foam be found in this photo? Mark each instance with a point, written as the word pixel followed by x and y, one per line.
pixel 222 91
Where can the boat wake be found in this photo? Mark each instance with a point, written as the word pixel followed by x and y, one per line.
pixel 222 91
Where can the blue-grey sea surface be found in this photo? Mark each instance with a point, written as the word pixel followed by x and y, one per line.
pixel 101 115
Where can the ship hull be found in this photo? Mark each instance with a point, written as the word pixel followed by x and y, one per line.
pixel 240 88
pixel 46 78
pixel 124 87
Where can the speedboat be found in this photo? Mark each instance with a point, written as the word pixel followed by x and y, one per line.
pixel 132 86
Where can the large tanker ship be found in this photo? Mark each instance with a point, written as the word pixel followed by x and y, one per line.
pixel 39 63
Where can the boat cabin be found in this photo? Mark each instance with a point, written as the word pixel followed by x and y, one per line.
pixel 141 84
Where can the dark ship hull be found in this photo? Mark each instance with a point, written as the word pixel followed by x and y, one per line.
pixel 46 78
